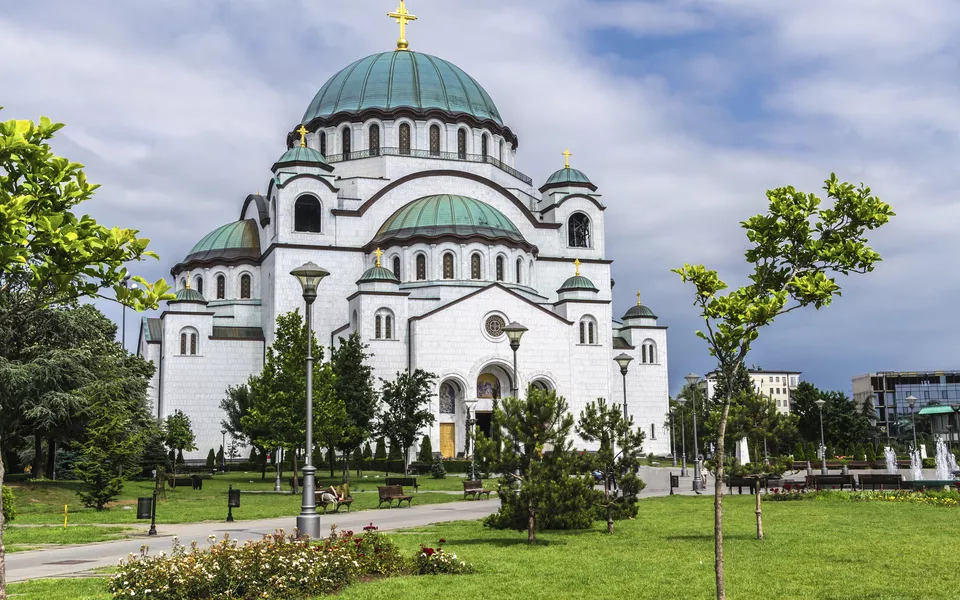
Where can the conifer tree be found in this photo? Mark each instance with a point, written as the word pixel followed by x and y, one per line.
pixel 367 452
pixel 426 451
pixel 381 453
pixel 211 459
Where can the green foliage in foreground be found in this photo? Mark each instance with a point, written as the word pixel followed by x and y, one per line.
pixel 667 552
pixel 9 504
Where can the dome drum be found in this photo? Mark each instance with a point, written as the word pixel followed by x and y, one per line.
pixel 234 243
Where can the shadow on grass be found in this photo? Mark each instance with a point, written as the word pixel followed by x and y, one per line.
pixel 703 537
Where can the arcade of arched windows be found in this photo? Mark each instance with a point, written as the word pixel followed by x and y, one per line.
pixel 460 265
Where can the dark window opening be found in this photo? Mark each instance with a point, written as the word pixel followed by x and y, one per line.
pixel 434 140
pixel 388 330
pixel 404 138
pixel 499 268
pixel 462 144
pixel 323 143
pixel 307 215
pixel 579 231
pixel 183 343
pixel 374 140
pixel 244 286
pixel 475 266
pixel 421 267
pixel 376 327
pixel 193 344
pixel 448 266
pixel 396 267
pixel 200 285
pixel 221 287
pixel 519 270
pixel 345 142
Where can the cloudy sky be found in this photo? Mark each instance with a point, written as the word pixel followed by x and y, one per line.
pixel 684 112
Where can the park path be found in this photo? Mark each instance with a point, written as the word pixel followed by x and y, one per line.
pixel 62 561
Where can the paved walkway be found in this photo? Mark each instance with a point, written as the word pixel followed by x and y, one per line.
pixel 61 561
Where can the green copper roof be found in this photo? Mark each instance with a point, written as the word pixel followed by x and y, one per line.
pixel 448 215
pixel 240 239
pixel 639 311
pixel 568 176
pixel 189 295
pixel 578 282
pixel 935 410
pixel 378 274
pixel 402 79
pixel 301 154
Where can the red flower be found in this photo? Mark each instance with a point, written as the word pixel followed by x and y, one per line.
pixel 428 551
pixel 443 541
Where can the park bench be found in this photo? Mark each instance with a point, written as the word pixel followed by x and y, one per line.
pixel 176 482
pixel 404 481
pixel 324 499
pixel 830 481
pixel 740 483
pixel 474 487
pixel 389 493
pixel 299 482
pixel 890 481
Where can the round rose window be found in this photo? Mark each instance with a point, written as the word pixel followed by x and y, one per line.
pixel 494 326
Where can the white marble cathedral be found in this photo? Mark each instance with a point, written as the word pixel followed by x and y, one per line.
pixel 402 159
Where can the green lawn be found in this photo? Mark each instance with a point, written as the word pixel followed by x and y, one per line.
pixel 43 502
pixel 813 550
pixel 19 539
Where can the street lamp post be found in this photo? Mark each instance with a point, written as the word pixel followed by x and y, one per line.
pixel 911 402
pixel 683 439
pixel 471 404
pixel 673 441
pixel 223 451
pixel 276 463
pixel 823 446
pixel 308 521
pixel 514 332
pixel 623 359
pixel 692 379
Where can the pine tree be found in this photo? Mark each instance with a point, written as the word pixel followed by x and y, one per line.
pixel 220 456
pixel 367 452
pixel 354 387
pixel 426 451
pixel 437 469
pixel 211 459
pixel 381 453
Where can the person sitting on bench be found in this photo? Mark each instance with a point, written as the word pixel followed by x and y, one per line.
pixel 333 492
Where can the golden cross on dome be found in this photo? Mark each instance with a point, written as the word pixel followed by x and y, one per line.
pixel 638 297
pixel 566 158
pixel 187 282
pixel 402 16
pixel 303 136
pixel 378 253
pixel 576 264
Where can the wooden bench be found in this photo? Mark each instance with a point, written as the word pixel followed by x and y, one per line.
pixel 825 481
pixel 176 482
pixel 890 481
pixel 474 487
pixel 404 481
pixel 324 498
pixel 389 493
pixel 740 483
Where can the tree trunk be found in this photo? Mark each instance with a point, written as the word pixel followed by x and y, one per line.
pixel 3 576
pixel 296 476
pixel 263 457
pixel 606 496
pixel 718 504
pixel 759 511
pixel 52 458
pixel 333 461
pixel 37 456
pixel 531 526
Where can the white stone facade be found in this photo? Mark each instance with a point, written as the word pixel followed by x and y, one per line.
pixel 437 323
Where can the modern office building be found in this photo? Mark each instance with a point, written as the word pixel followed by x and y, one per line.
pixel 776 385
pixel 937 394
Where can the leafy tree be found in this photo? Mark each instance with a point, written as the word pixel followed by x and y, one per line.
pixel 554 490
pixel 395 453
pixel 683 421
pixel 236 405
pixel 621 448
pixel 278 413
pixel 406 411
pixel 426 451
pixel 354 387
pixel 844 423
pixel 381 452
pixel 797 249
pixel 178 433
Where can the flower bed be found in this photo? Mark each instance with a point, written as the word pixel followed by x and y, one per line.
pixel 435 561
pixel 278 566
pixel 950 498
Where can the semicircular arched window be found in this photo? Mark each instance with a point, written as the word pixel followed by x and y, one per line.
pixel 578 231
pixel 462 144
pixel 198 284
pixel 404 138
pixel 245 285
pixel 475 266
pixel 499 268
pixel 434 140
pixel 448 265
pixel 345 143
pixel 421 267
pixel 307 215
pixel 396 267
pixel 221 287
pixel 374 140
pixel 483 147
pixel 519 270
pixel 323 143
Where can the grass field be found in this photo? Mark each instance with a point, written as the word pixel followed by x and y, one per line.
pixel 42 502
pixel 813 550
pixel 19 539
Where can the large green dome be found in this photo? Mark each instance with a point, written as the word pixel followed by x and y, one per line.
pixel 234 242
pixel 448 216
pixel 402 79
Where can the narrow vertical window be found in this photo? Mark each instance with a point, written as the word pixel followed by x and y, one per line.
pixel 421 267
pixel 376 327
pixel 519 270
pixel 653 431
pixel 653 353
pixel 499 268
pixel 448 266
pixel 578 231
pixel 193 344
pixel 183 343
pixel 483 147
pixel 462 144
pixel 345 142
pixel 396 267
pixel 590 333
pixel 323 143
pixel 643 356
pixel 374 140
pixel 475 266
pixel 583 337
pixel 388 330
pixel 221 287
pixel 404 138
pixel 199 285
pixel 434 140
pixel 244 286
pixel 501 150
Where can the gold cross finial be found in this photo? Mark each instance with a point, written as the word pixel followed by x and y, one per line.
pixel 187 283
pixel 566 158
pixel 638 297
pixel 303 136
pixel 378 253
pixel 402 16
pixel 576 264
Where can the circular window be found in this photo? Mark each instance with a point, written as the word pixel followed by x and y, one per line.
pixel 494 326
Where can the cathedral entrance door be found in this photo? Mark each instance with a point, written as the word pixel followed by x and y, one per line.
pixel 448 440
pixel 483 423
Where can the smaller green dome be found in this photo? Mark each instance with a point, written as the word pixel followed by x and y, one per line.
pixel 189 295
pixel 568 177
pixel 578 283
pixel 302 155
pixel 639 311
pixel 230 242
pixel 374 274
